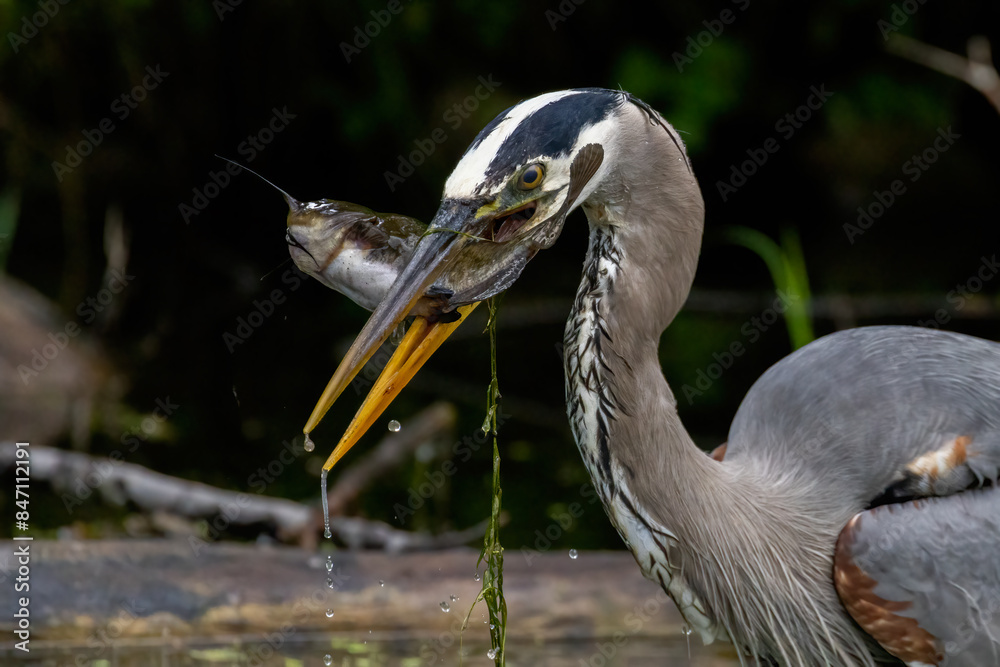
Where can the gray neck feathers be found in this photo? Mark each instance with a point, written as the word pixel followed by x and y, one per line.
pixel 734 529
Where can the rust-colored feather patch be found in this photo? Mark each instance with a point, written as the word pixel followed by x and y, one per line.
pixel 899 635
pixel 940 462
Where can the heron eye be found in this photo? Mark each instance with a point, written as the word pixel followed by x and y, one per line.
pixel 531 177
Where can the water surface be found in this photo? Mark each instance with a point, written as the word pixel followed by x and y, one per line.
pixel 354 651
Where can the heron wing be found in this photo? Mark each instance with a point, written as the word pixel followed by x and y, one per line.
pixel 923 577
pixel 877 415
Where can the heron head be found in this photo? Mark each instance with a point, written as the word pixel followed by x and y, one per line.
pixel 507 198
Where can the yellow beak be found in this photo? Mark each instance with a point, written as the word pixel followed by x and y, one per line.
pixel 412 293
pixel 421 341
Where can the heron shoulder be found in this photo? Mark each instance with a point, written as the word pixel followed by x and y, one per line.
pixel 857 406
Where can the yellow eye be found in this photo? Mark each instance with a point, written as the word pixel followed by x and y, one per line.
pixel 531 177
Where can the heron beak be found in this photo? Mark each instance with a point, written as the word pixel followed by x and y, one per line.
pixel 421 341
pixel 412 293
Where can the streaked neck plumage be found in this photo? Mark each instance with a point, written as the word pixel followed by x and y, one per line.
pixel 716 537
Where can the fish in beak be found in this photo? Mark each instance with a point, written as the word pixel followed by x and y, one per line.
pixel 440 305
pixel 474 248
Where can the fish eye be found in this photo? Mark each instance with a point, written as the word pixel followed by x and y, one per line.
pixel 531 177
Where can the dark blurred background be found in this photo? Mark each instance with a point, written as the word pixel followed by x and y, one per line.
pixel 132 262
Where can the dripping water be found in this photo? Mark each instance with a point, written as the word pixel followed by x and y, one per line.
pixel 396 337
pixel 326 504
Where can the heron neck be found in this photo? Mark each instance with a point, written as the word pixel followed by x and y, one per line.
pixel 713 535
pixel 638 272
pixel 646 469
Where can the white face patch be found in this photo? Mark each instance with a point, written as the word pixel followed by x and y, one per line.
pixel 603 134
pixel 472 168
pixel 479 165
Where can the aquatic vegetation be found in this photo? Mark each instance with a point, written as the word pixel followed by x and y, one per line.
pixel 787 266
pixel 492 553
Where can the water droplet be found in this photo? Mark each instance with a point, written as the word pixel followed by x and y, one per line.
pixel 329 583
pixel 329 613
pixel 572 554
pixel 477 577
pixel 329 563
pixel 492 627
pixel 492 653
pixel 396 337
pixel 453 598
pixel 381 583
pixel 327 660
pixel 308 445
pixel 686 629
pixel 326 503
pixel 445 607
pixel 394 426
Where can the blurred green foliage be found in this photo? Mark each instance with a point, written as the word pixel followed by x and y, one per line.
pixel 787 266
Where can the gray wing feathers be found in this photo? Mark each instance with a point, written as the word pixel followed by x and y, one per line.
pixel 854 408
pixel 942 556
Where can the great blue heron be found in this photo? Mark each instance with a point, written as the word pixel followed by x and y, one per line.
pixel 855 518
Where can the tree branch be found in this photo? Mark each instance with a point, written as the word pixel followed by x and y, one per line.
pixel 977 70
